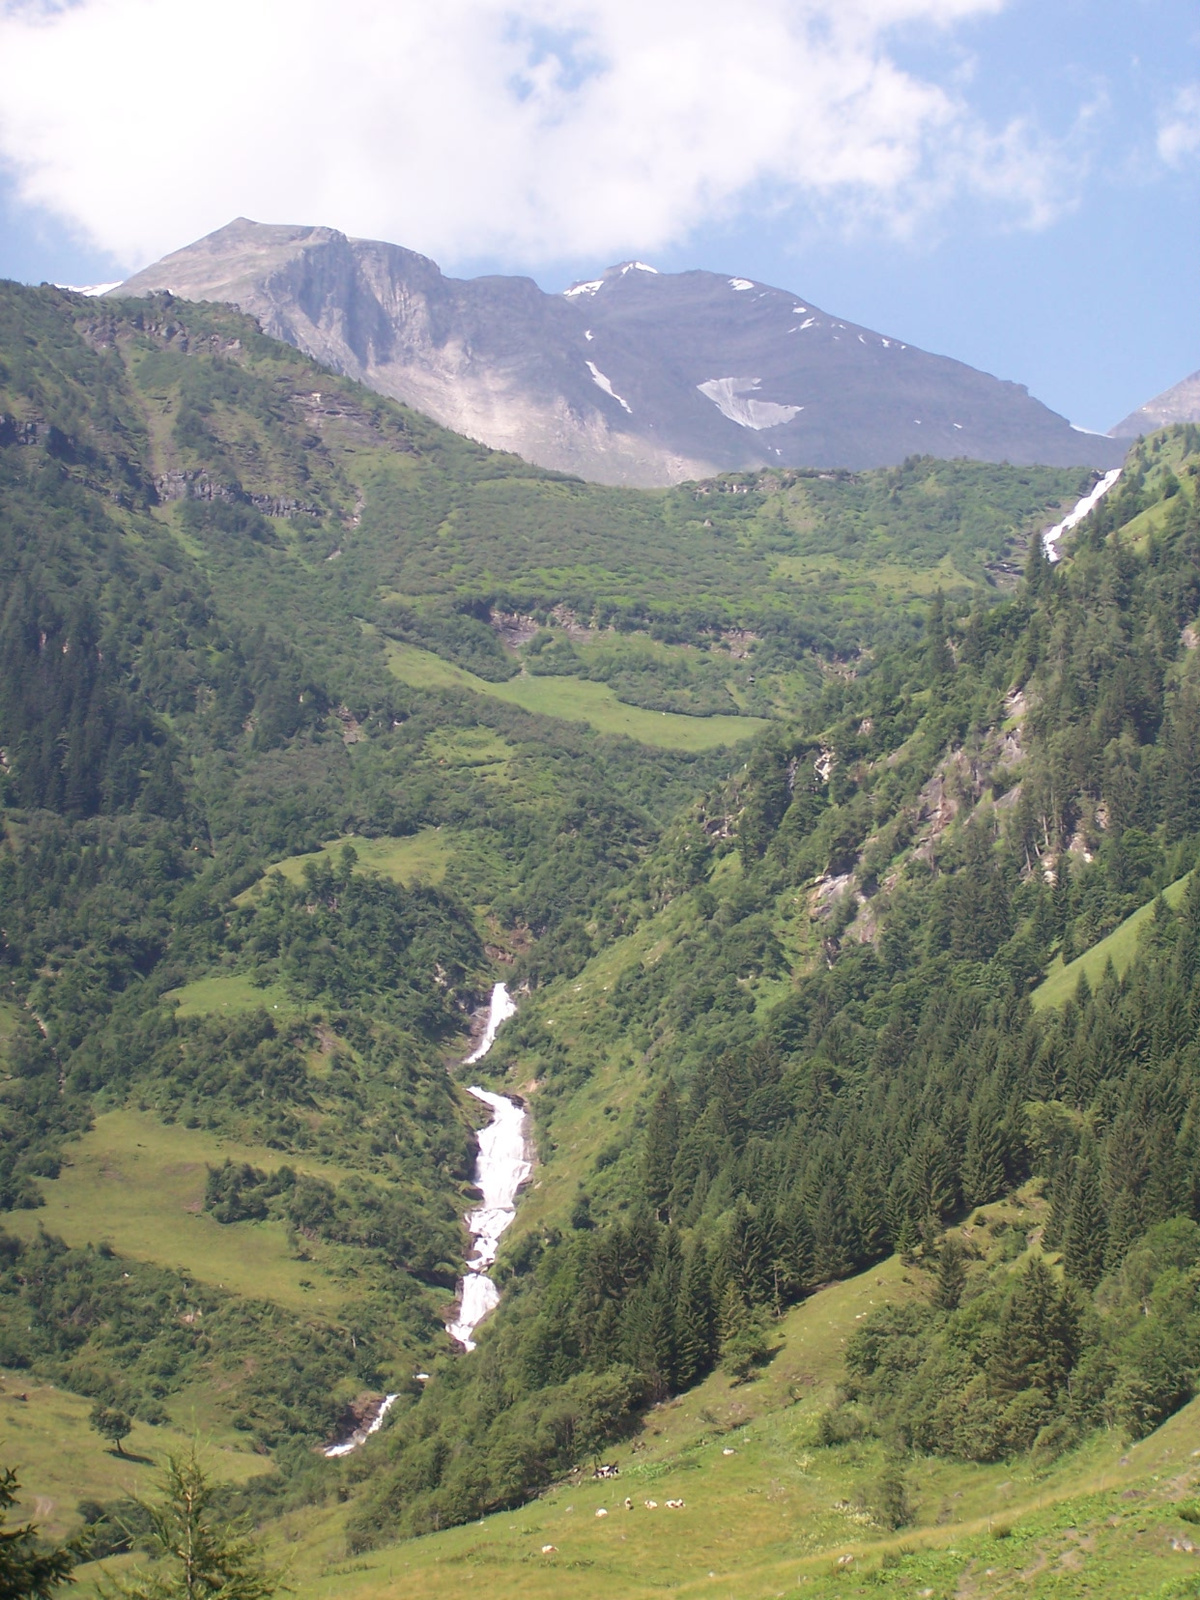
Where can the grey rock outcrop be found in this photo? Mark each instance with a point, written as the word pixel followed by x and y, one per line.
pixel 635 377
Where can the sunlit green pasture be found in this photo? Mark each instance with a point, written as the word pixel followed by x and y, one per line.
pixel 138 1185
pixel 575 700
pixel 226 994
pixel 417 855
pixel 60 1459
pixel 766 1511
pixel 1119 947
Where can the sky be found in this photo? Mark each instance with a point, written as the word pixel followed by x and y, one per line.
pixel 1015 183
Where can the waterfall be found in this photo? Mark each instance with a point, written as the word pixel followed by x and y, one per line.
pixel 501 1168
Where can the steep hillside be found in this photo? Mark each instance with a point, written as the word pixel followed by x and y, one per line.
pixel 818 1046
pixel 636 377
pixel 775 1026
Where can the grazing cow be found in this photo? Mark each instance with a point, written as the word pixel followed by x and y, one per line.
pixel 549 1549
pixel 651 1505
pixel 674 1505
pixel 602 1512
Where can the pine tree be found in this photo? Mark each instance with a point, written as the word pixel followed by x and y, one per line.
pixel 907 1241
pixel 1038 569
pixel 931 1177
pixel 28 1570
pixel 695 1322
pixel 661 1148
pixel 792 1267
pixel 832 1256
pixel 1038 1339
pixel 869 1212
pixel 1085 1232
pixel 1124 1229
pixel 1062 896
pixel 1187 941
pixel 197 1554
pixel 938 657
pixel 983 1175
pixel 951 1275
pixel 1181 789
pixel 743 1335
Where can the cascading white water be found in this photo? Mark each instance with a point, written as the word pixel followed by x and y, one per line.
pixel 500 1170
pixel 501 1008
pixel 1075 516
pixel 362 1434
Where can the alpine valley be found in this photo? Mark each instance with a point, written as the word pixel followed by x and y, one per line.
pixel 592 1041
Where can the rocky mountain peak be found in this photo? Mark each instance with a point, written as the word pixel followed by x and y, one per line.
pixel 634 376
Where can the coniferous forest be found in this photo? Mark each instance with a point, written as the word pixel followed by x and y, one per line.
pixel 873 946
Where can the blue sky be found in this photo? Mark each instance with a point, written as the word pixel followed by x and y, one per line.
pixel 1016 185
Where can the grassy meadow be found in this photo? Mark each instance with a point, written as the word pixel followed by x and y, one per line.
pixel 767 1511
pixel 226 994
pixel 1119 947
pixel 576 700
pixel 61 1459
pixel 420 855
pixel 139 1186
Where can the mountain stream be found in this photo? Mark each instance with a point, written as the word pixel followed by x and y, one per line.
pixel 1052 536
pixel 501 1168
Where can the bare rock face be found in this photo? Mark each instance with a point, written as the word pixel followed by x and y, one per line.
pixel 1180 403
pixel 636 377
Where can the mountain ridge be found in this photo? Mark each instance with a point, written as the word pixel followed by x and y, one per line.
pixel 635 377
pixel 1179 403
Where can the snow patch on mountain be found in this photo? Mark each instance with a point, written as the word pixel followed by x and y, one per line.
pixel 740 283
pixel 90 288
pixel 731 398
pixel 599 379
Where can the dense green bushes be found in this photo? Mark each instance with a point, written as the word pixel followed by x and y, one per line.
pixel 132 1335
pixel 1027 1362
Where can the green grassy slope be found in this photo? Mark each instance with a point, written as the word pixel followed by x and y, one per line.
pixel 767 1508
pixel 139 1186
pixel 61 1459
pixel 1119 947
pixel 576 700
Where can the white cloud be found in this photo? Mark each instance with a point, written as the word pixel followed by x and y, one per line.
pixel 532 131
pixel 1179 130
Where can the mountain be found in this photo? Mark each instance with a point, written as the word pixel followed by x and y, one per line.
pixel 635 377
pixel 1180 403
pixel 845 884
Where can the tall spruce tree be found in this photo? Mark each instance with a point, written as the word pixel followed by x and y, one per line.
pixel 1038 1338
pixel 695 1321
pixel 661 1148
pixel 1085 1231
pixel 951 1275
pixel 28 1569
